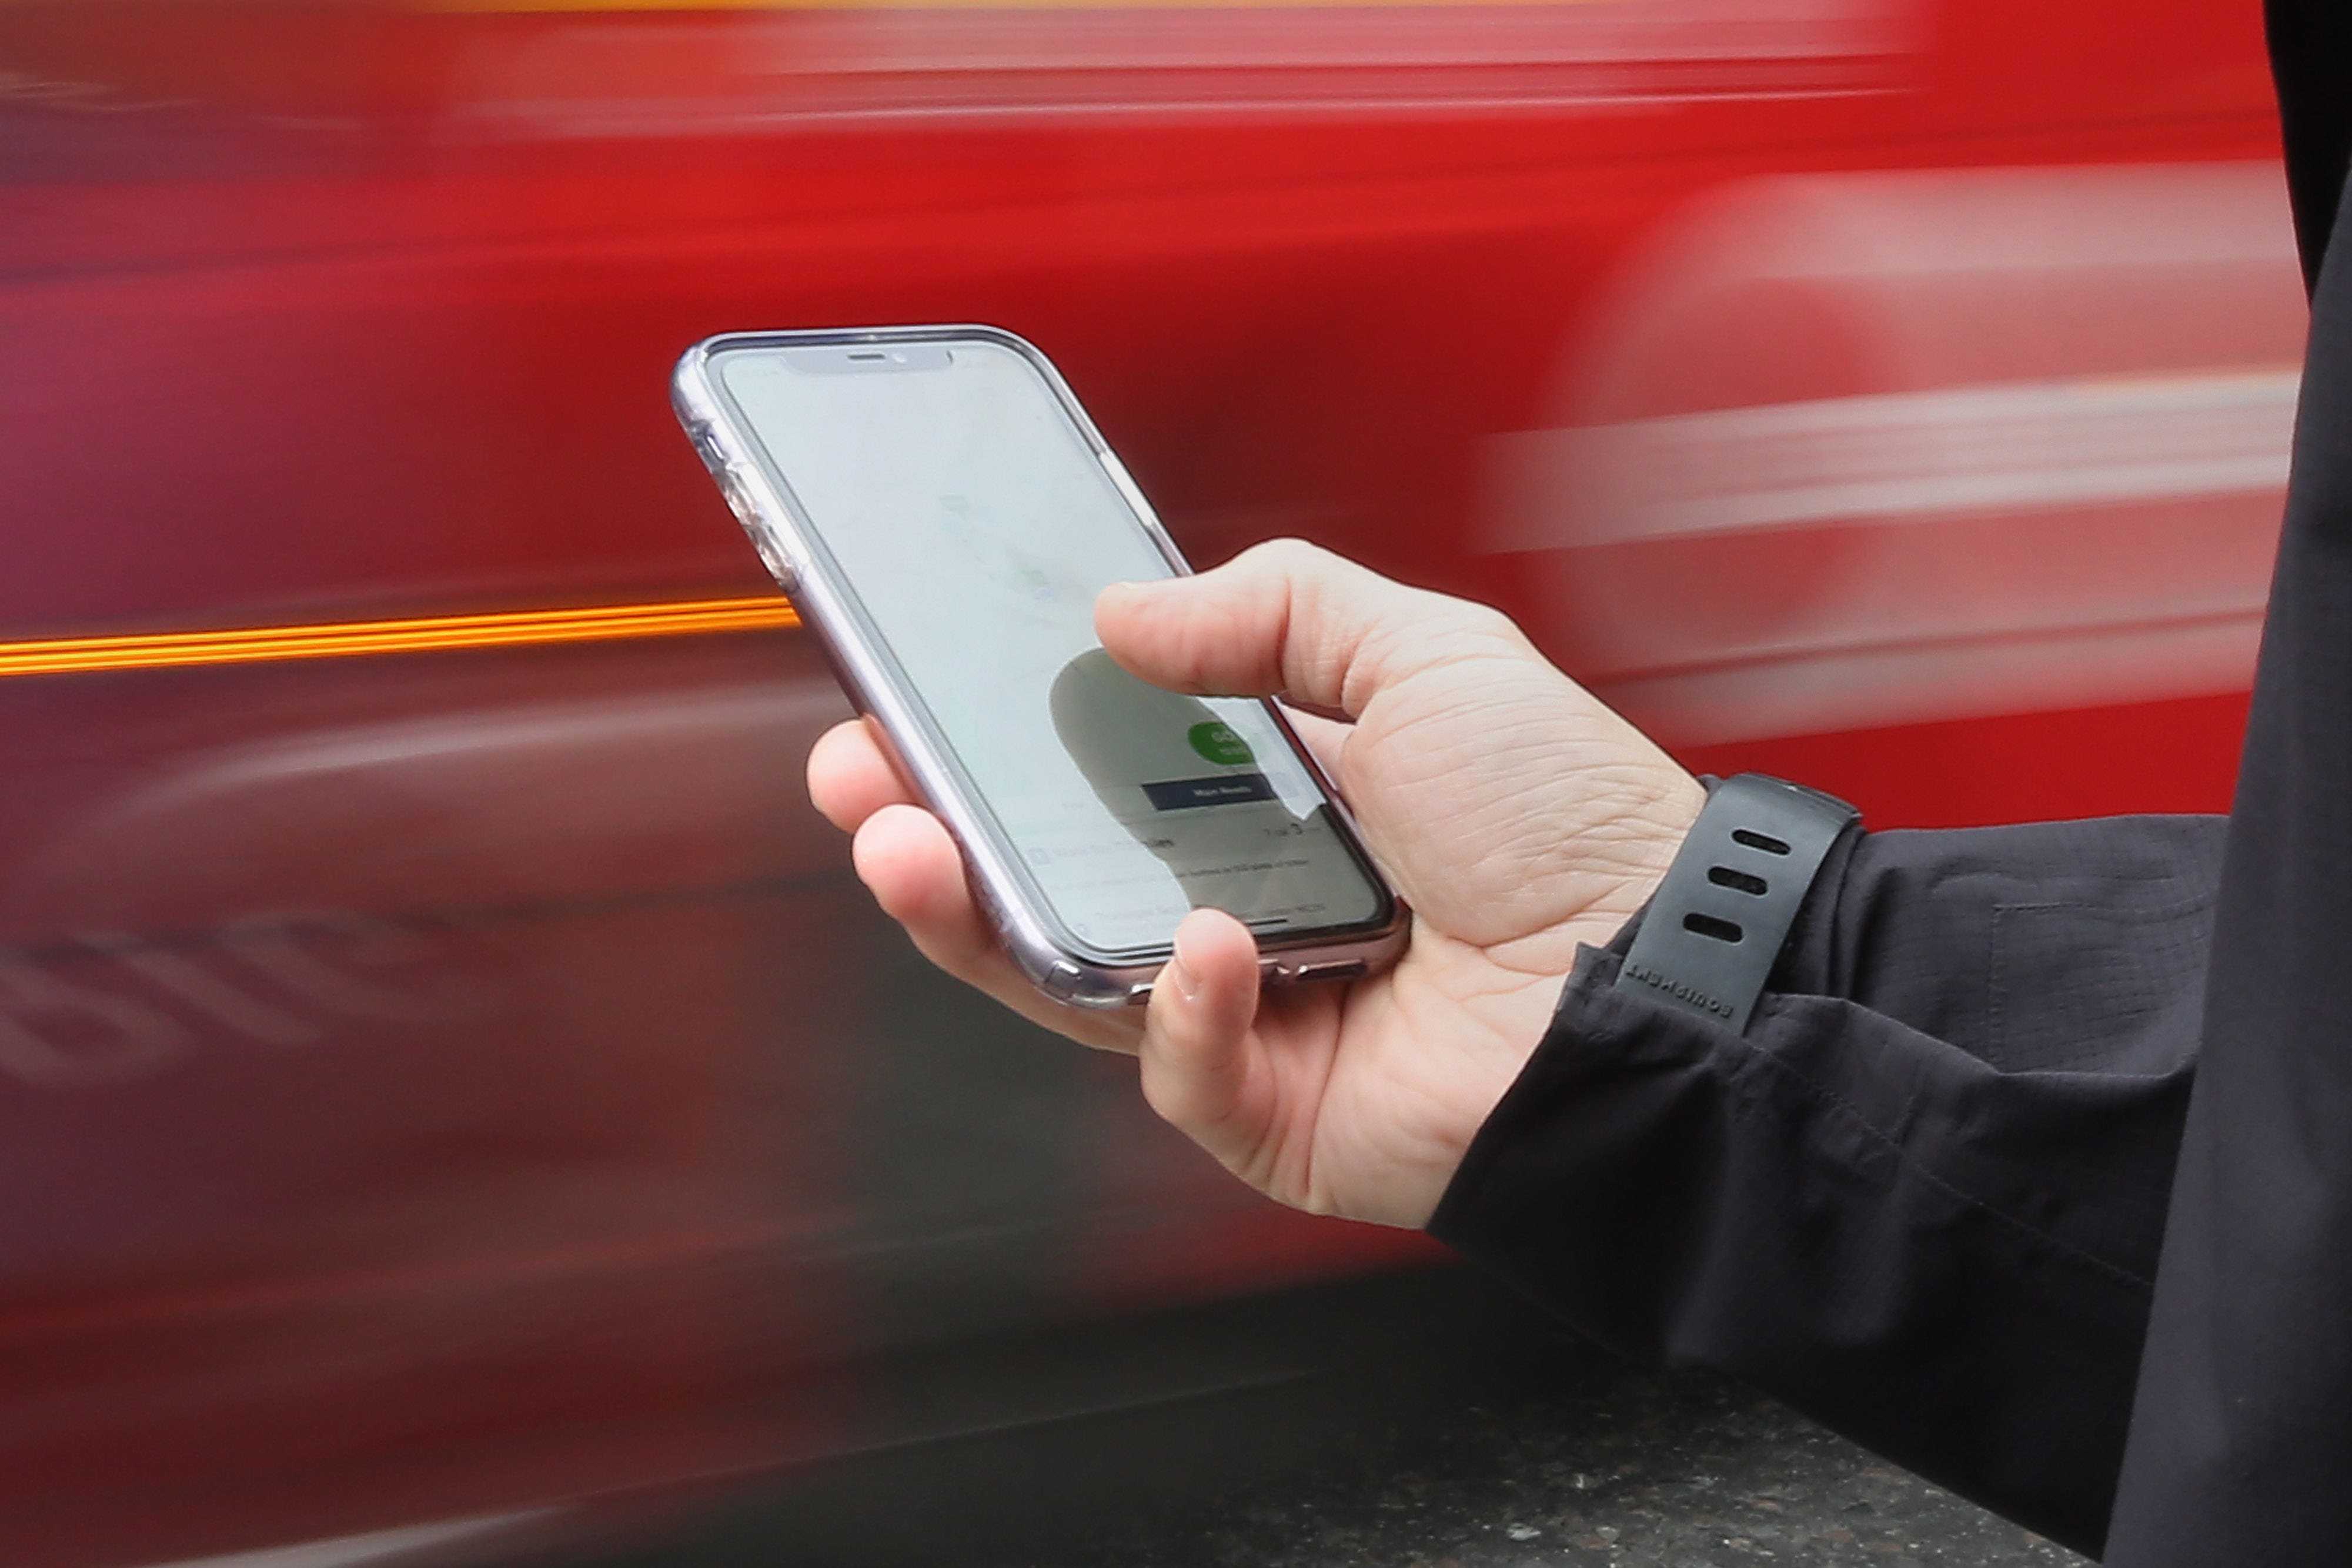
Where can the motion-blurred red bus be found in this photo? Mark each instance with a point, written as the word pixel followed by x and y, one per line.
pixel 446 1074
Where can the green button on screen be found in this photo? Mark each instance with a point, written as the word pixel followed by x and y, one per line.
pixel 1216 741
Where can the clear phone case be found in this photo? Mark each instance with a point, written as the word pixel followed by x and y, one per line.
pixel 1059 965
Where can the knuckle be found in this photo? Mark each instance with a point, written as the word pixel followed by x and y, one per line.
pixel 1485 621
pixel 1286 557
pixel 1436 620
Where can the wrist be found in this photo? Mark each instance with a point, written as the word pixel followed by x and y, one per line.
pixel 1736 898
pixel 1649 837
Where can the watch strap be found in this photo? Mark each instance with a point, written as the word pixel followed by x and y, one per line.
pixel 1716 927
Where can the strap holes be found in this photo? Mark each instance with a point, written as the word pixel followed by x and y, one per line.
pixel 1724 876
pixel 1765 841
pixel 1709 926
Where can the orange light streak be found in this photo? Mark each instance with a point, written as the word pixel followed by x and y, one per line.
pixel 417 634
pixel 649 5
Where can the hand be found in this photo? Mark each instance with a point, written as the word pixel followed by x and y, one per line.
pixel 1517 815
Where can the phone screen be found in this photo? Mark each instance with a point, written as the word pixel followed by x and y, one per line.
pixel 967 515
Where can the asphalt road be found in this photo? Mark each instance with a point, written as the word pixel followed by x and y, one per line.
pixel 1425 1423
pixel 1626 1470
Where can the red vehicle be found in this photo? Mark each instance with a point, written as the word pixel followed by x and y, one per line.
pixel 447 1076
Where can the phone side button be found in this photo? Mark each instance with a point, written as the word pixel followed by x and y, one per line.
pixel 738 498
pixel 736 487
pixel 1270 972
pixel 1062 979
pixel 774 560
pixel 1337 969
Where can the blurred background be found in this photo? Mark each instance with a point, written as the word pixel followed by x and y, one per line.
pixel 451 1087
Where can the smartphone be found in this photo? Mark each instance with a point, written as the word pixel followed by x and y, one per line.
pixel 943 514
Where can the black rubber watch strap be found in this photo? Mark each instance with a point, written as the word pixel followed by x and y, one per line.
pixel 1715 929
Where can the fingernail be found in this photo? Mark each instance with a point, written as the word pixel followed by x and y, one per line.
pixel 1180 975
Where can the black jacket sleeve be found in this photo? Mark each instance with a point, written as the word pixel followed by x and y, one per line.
pixel 2311 49
pixel 2241 1430
pixel 1921 1199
